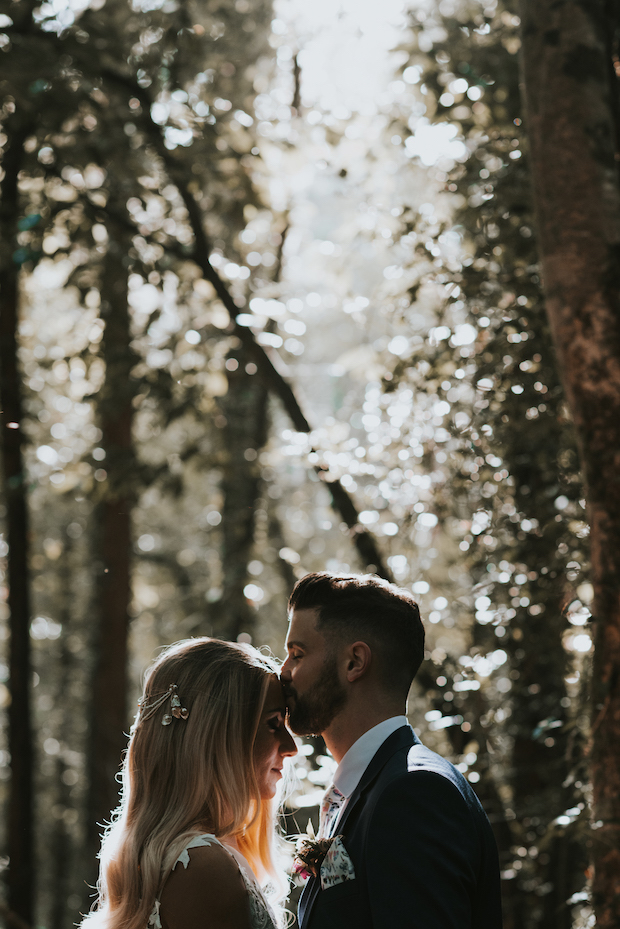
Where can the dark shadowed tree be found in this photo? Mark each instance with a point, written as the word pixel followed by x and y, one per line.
pixel 17 126
pixel 117 488
pixel 571 89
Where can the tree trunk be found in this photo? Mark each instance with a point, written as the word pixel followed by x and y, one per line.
pixel 245 433
pixel 570 94
pixel 113 526
pixel 61 844
pixel 20 839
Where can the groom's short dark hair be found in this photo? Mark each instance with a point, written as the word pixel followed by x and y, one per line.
pixel 364 607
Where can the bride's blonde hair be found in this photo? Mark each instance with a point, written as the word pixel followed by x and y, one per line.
pixel 191 776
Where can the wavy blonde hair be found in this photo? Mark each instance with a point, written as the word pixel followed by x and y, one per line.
pixel 190 777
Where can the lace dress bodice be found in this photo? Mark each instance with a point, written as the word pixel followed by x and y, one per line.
pixel 261 915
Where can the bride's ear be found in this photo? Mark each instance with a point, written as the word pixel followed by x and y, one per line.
pixel 358 661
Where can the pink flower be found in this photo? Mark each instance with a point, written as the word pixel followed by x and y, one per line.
pixel 300 869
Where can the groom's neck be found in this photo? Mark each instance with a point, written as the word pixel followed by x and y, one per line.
pixel 354 720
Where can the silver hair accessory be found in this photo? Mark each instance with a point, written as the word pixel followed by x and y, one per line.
pixel 176 710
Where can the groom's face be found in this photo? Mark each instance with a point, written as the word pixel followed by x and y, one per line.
pixel 314 692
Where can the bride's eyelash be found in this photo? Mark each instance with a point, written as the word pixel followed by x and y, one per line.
pixel 274 723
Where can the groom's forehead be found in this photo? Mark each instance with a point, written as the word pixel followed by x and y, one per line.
pixel 303 628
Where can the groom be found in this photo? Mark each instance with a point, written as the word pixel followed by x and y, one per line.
pixel 413 846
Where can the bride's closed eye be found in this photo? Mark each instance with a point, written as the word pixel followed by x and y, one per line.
pixel 275 722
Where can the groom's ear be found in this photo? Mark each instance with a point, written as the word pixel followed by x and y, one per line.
pixel 358 658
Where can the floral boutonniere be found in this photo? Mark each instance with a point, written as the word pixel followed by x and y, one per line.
pixel 327 860
pixel 310 854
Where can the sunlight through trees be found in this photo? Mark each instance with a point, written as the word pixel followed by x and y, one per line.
pixel 271 302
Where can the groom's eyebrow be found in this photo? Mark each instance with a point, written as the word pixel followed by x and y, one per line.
pixel 294 644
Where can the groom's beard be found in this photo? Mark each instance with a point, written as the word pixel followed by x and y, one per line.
pixel 314 711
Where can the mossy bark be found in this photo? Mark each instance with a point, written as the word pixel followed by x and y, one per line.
pixel 571 95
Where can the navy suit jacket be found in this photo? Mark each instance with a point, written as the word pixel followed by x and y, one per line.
pixel 421 845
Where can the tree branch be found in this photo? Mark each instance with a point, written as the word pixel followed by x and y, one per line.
pixel 265 360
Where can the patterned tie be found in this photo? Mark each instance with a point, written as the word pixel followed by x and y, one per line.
pixel 330 807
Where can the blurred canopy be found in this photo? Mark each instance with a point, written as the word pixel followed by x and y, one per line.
pixel 261 332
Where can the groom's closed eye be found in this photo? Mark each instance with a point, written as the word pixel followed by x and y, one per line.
pixel 294 650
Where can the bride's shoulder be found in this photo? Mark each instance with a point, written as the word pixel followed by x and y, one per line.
pixel 205 890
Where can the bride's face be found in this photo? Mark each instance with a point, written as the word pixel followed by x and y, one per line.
pixel 273 742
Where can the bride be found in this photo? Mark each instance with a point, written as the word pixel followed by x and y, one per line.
pixel 193 839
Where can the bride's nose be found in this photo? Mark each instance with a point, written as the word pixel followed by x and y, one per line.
pixel 287 745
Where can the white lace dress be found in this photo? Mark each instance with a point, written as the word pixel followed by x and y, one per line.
pixel 261 914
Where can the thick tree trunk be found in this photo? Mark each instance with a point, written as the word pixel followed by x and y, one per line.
pixel 570 94
pixel 113 526
pixel 20 840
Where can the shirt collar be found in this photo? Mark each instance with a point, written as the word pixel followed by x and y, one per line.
pixel 350 770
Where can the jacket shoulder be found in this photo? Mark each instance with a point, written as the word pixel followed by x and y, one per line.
pixel 409 762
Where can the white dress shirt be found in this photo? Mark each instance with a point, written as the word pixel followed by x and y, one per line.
pixel 349 771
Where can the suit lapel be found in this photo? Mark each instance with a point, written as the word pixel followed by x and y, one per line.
pixel 404 737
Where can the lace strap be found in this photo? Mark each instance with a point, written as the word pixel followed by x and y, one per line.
pixel 260 911
pixel 199 841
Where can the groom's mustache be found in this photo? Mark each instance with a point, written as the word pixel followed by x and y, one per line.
pixel 289 692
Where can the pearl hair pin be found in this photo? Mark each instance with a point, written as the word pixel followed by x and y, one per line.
pixel 177 711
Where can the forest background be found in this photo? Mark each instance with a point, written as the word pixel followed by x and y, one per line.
pixel 271 303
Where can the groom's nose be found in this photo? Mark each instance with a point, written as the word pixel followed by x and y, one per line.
pixel 285 672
